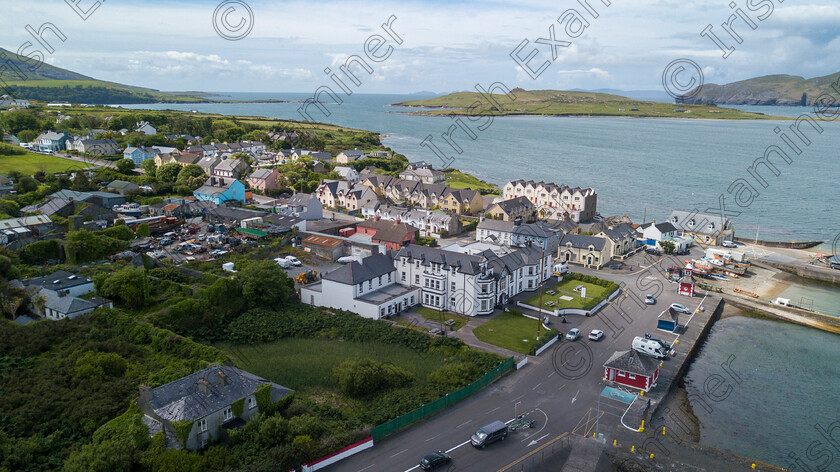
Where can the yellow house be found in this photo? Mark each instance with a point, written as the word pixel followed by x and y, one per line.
pixel 509 210
pixel 165 158
pixel 461 201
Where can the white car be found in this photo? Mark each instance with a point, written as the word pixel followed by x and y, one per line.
pixel 680 308
pixel 284 263
pixel 650 300
pixel 596 335
pixel 294 261
pixel 573 334
pixel 729 244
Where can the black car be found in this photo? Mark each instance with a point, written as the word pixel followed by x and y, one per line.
pixel 434 460
pixel 654 252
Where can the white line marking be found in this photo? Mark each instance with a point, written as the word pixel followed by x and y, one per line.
pixel 368 467
pixel 406 470
pixel 462 424
pixel 549 375
pixel 536 386
pixel 543 426
pixel 494 409
pixel 432 438
pixel 538 440
pixel 456 447
pixel 395 455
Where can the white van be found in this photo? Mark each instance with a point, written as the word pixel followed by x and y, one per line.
pixel 650 347
pixel 560 269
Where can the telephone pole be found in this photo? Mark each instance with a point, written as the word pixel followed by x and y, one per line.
pixel 540 281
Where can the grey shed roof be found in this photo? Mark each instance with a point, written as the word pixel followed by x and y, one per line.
pixel 186 399
pixel 633 362
pixel 582 242
pixel 356 273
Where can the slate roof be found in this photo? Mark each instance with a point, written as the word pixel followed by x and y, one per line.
pixel 209 188
pixel 260 174
pixel 620 232
pixel 49 207
pixel 58 280
pixel 122 184
pixel 665 227
pixel 356 273
pixel 66 305
pixel 466 263
pixel 302 199
pixel 580 241
pixel 539 229
pixel 496 225
pixel 701 221
pixel 633 362
pixel 508 206
pixel 231 165
pixel 184 399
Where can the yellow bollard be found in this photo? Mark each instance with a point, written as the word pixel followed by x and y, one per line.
pixel 632 448
pixel 651 456
pixel 677 341
pixel 615 442
pixel 642 393
pixel 753 466
pixel 641 429
pixel 663 431
pixel 593 435
pixel 643 423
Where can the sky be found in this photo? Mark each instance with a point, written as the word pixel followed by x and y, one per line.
pixel 285 46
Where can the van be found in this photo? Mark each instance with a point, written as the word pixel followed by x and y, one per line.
pixel 649 347
pixel 560 269
pixel 489 434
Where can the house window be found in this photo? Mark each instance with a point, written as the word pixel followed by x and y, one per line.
pixel 620 374
pixel 417 278
pixel 631 376
pixel 370 284
pixel 412 300
pixel 453 286
pixel 228 414
pixel 389 276
pixel 202 425
pixel 252 402
pixel 403 277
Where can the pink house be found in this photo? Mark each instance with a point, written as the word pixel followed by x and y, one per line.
pixel 263 179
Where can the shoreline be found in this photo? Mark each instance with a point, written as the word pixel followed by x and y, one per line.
pixel 596 115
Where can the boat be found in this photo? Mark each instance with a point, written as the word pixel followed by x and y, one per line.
pixel 718 276
pixel 128 209
pixel 715 262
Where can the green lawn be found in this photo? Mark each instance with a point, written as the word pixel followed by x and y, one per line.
pixel 594 294
pixel 306 364
pixel 512 331
pixel 435 317
pixel 31 163
pixel 457 179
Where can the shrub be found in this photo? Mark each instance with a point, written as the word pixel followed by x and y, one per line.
pixel 362 377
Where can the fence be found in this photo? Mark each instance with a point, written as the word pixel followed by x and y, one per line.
pixel 428 409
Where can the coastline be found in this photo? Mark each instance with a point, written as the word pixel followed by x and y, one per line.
pixel 594 115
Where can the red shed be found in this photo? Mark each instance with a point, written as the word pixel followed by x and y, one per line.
pixel 631 369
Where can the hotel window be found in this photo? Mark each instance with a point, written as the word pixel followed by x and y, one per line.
pixel 417 278
pixel 453 286
pixel 403 277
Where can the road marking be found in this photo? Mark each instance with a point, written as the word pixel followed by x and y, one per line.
pixel 406 470
pixel 462 424
pixel 537 440
pixel 574 399
pixel 517 461
pixel 549 375
pixel 545 423
pixel 517 398
pixel 395 455
pixel 368 467
pixel 536 386
pixel 432 438
pixel 456 447
pixel 562 387
pixel 494 409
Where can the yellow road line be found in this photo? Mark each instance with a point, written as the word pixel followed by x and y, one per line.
pixel 533 452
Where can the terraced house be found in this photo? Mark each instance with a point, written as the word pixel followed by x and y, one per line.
pixel 555 201
pixel 198 409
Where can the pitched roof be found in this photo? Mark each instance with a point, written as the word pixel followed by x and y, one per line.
pixel 122 184
pixel 467 263
pixel 356 273
pixel 389 231
pixel 508 206
pixel 58 280
pixel 633 362
pixel 619 232
pixel 260 174
pixel 496 225
pixel 66 304
pixel 702 221
pixel 186 399
pixel 665 227
pixel 580 241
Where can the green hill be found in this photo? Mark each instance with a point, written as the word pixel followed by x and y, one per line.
pixel 565 103
pixel 768 90
pixel 54 84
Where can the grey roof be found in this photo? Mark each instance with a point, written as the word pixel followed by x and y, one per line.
pixel 356 273
pixel 619 232
pixel 232 165
pixel 302 199
pixel 496 225
pixel 261 174
pixel 122 184
pixel 539 229
pixel 52 135
pixel 49 207
pixel 353 153
pixel 466 263
pixel 66 305
pixel 209 188
pixel 235 213
pixel 681 219
pixel 665 227
pixel 515 203
pixel 58 280
pixel 633 362
pixel 580 241
pixel 70 195
pixel 184 399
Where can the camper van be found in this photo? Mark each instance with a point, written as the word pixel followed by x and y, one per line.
pixel 560 269
pixel 649 347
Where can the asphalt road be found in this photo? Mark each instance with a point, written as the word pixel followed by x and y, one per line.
pixel 559 389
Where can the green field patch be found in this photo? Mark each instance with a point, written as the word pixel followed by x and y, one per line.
pixel 566 289
pixel 31 163
pixel 513 331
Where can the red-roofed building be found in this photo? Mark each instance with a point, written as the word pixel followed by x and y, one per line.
pixel 393 234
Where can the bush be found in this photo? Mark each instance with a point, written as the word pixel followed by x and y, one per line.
pixel 362 377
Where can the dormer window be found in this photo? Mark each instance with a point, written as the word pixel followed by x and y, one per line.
pixel 691 223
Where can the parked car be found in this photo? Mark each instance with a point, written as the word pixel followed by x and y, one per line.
pixel 294 261
pixel 489 434
pixel 282 262
pixel 596 335
pixel 729 244
pixel 649 300
pixel 652 251
pixel 573 334
pixel 202 237
pixel 434 460
pixel 165 242
pixel 680 308
pixel 683 252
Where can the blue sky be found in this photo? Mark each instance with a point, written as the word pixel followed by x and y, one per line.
pixel 447 46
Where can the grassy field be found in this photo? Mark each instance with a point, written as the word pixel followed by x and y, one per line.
pixel 435 317
pixel 31 163
pixel 563 103
pixel 512 331
pixel 457 179
pixel 306 364
pixel 594 294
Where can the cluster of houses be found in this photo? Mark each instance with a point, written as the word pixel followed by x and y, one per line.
pixel 59 295
pixel 555 202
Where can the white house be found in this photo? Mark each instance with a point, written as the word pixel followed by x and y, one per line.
pixel 653 234
pixel 704 228
pixel 145 128
pixel 367 288
pixel 303 205
pixel 347 173
pixel 346 157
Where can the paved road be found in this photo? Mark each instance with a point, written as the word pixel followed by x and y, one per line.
pixel 560 389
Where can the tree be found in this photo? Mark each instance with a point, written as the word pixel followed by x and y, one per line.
pixel 225 295
pixel 125 166
pixel 149 167
pixel 128 285
pixel 27 136
pixel 361 377
pixel 667 246
pixel 143 230
pixel 189 171
pixel 264 284
pixel 168 173
pixel 26 184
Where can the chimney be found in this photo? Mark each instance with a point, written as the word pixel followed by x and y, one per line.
pixel 203 386
pixel 146 394
pixel 222 378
